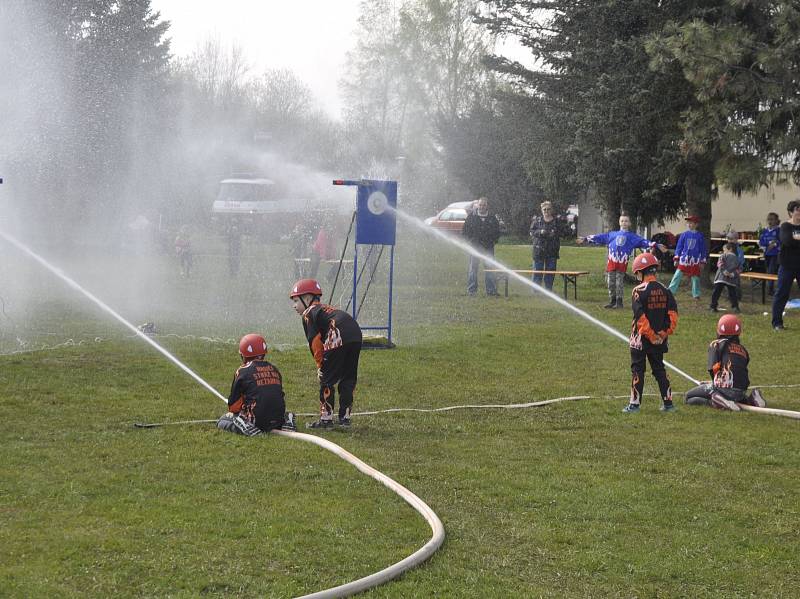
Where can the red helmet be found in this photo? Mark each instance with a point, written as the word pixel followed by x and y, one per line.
pixel 252 345
pixel 729 325
pixel 643 261
pixel 304 286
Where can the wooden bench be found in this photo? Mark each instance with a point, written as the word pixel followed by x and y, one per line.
pixel 749 257
pixel 570 277
pixel 759 279
pixel 304 264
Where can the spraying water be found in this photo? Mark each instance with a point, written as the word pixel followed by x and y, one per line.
pixel 56 271
pixel 499 265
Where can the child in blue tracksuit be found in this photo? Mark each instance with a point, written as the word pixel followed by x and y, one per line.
pixel 691 254
pixel 770 243
pixel 620 246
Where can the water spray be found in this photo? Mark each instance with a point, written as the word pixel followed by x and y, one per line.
pixel 500 266
pixel 106 308
pixel 389 573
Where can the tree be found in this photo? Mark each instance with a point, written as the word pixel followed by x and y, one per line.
pixel 605 112
pixel 742 63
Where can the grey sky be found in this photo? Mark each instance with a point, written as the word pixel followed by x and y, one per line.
pixel 310 37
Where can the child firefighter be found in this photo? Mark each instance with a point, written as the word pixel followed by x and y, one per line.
pixel 727 364
pixel 655 316
pixel 256 404
pixel 334 338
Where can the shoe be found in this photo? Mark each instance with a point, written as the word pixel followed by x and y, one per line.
pixel 713 309
pixel 667 407
pixel 345 422
pixel 736 310
pixel 323 424
pixel 610 305
pixel 779 327
pixel 289 422
pixel 722 403
pixel 758 399
pixel 631 408
pixel 618 304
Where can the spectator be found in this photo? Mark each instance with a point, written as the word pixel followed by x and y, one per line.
pixel 620 246
pixel 789 263
pixel 691 254
pixel 770 244
pixel 482 230
pixel 546 231
pixel 183 249
pixel 727 276
pixel 323 248
pixel 234 239
pixel 733 237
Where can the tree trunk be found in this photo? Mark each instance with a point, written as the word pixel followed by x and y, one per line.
pixel 699 185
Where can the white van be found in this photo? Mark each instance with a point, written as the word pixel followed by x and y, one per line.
pixel 248 196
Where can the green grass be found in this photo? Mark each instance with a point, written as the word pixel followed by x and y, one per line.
pixel 568 500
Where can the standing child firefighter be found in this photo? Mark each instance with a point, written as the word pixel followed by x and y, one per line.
pixel 256 404
pixel 655 316
pixel 728 362
pixel 334 338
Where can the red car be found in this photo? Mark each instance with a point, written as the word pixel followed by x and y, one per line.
pixel 452 218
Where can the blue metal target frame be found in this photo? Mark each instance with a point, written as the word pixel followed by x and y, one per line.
pixel 376 225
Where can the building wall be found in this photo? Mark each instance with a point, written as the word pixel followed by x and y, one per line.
pixel 743 213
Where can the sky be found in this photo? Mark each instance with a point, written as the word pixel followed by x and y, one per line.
pixel 310 37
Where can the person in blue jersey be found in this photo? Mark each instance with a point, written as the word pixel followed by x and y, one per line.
pixel 620 246
pixel 770 243
pixel 691 254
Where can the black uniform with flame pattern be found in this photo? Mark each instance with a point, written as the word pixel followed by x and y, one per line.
pixel 655 316
pixel 334 338
pixel 727 364
pixel 257 395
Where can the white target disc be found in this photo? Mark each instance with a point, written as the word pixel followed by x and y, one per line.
pixel 377 202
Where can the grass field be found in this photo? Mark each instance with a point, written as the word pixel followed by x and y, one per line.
pixel 569 500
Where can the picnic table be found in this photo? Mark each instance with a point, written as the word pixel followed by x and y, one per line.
pixel 759 279
pixel 570 277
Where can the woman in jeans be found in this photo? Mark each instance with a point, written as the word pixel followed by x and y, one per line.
pixel 546 232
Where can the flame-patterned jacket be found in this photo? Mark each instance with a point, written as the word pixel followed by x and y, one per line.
pixel 328 328
pixel 655 315
pixel 727 363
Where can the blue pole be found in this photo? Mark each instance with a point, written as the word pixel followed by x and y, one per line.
pixel 391 281
pixel 355 282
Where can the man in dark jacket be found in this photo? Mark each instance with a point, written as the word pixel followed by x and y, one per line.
pixel 482 230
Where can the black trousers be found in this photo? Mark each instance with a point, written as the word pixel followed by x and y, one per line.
pixel 638 363
pixel 701 395
pixel 339 366
pixel 733 294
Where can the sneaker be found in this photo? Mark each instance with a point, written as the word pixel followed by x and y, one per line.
pixel 631 408
pixel 321 423
pixel 758 399
pixel 289 423
pixel 667 407
pixel 610 305
pixel 722 403
pixel 345 422
pixel 736 310
pixel 713 309
pixel 779 327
